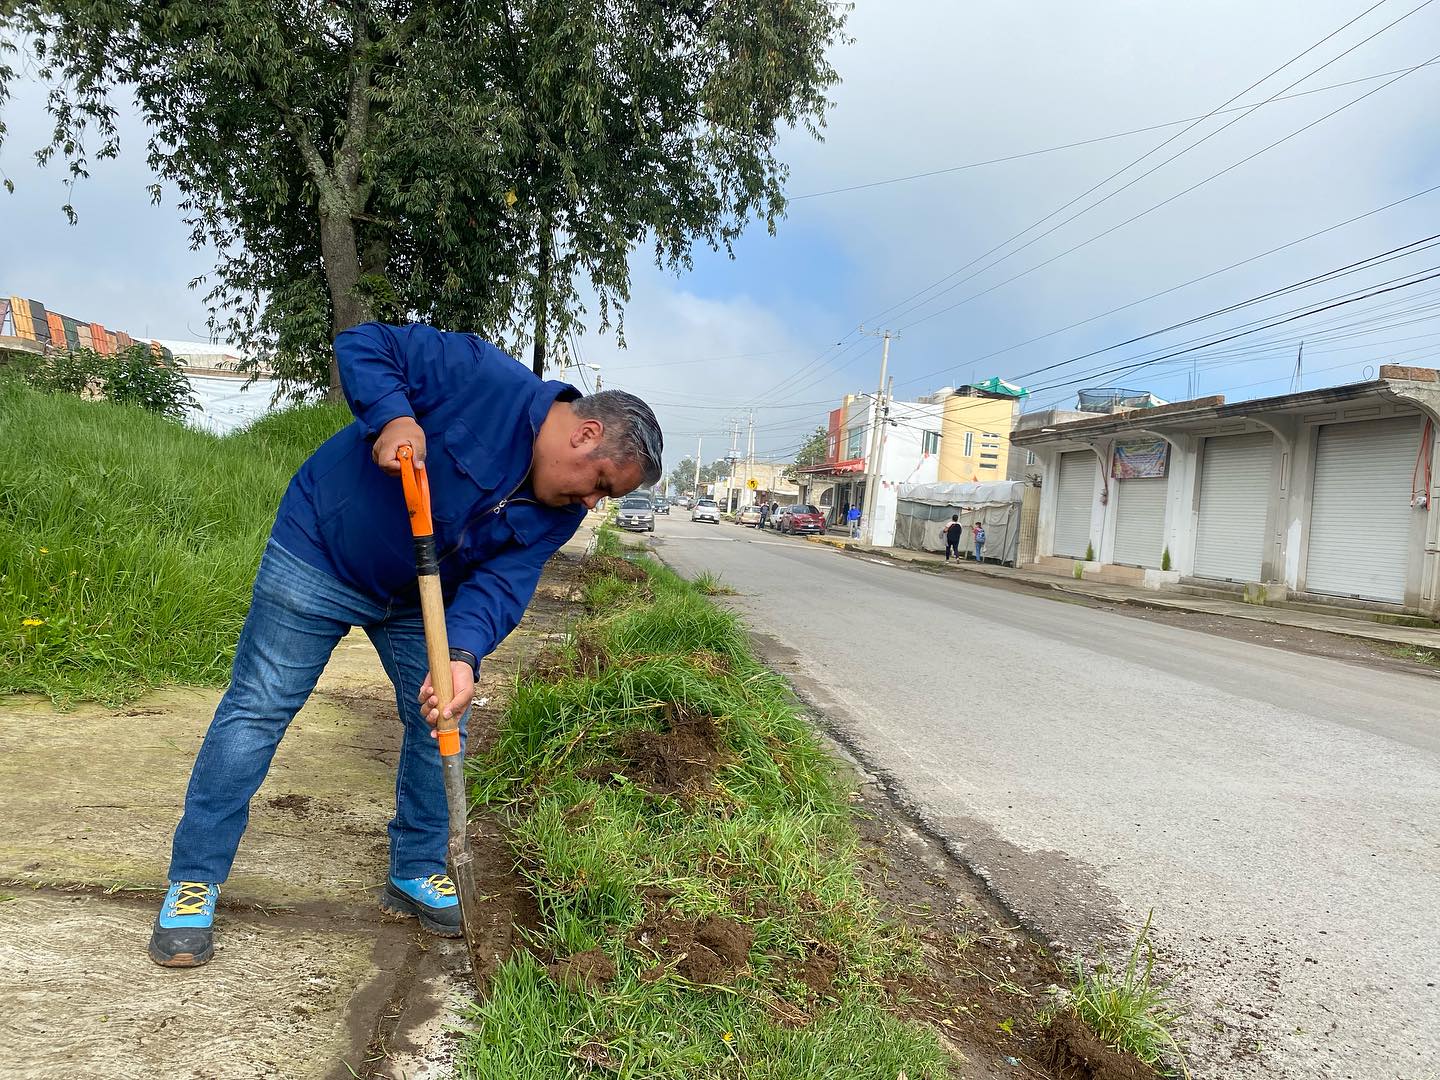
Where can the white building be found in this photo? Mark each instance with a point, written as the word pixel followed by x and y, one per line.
pixel 1325 495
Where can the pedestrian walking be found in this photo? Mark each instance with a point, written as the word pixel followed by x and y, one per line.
pixel 978 531
pixel 513 464
pixel 852 516
pixel 953 532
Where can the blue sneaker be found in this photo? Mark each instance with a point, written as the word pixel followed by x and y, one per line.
pixel 430 899
pixel 183 936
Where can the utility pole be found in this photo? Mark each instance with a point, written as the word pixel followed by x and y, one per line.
pixel 734 456
pixel 750 455
pixel 872 463
pixel 698 440
pixel 1299 377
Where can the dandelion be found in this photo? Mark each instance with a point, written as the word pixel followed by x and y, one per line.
pixel 32 622
pixel 44 551
pixel 728 1036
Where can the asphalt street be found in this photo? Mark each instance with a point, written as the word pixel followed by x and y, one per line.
pixel 1278 812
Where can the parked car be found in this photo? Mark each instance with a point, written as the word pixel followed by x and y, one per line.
pixel 801 518
pixel 661 506
pixel 636 514
pixel 750 517
pixel 706 510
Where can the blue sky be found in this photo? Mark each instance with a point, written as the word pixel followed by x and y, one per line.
pixel 934 85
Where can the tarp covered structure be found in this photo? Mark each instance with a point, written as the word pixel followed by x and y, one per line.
pixel 924 510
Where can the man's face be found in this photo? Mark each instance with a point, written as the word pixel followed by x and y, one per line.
pixel 569 471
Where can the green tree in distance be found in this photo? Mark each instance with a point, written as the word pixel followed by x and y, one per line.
pixel 682 476
pixel 469 164
pixel 812 452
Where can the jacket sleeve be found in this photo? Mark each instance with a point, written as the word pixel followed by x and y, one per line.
pixel 390 371
pixel 489 603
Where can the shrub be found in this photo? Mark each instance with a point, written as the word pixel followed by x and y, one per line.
pixel 133 376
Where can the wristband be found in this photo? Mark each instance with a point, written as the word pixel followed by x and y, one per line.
pixel 464 656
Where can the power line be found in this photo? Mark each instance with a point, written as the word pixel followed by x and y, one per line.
pixel 1130 165
pixel 1148 210
pixel 1088 142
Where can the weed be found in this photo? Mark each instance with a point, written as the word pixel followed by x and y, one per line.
pixel 1165 559
pixel 711 585
pixel 1129 1010
pixel 1089 552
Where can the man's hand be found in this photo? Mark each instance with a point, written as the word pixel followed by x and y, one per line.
pixel 463 679
pixel 395 434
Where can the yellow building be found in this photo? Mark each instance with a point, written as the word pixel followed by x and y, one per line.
pixel 975 437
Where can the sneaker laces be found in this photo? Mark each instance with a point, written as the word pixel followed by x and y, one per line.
pixel 441 883
pixel 191 898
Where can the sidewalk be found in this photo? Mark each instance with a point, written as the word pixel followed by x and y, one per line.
pixel 309 981
pixel 1384 633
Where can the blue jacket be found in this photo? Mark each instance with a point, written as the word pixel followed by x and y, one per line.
pixel 480 410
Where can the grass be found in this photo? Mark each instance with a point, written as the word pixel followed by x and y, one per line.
pixel 1128 1009
pixel 128 543
pixel 769 843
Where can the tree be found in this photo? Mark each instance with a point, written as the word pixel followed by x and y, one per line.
pixel 813 451
pixel 682 476
pixel 463 163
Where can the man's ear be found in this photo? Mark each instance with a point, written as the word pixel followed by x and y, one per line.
pixel 588 434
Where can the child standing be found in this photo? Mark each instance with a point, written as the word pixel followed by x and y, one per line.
pixel 979 533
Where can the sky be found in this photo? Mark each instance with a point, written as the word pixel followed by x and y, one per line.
pixel 775 333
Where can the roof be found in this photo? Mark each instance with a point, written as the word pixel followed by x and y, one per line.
pixel 1207 410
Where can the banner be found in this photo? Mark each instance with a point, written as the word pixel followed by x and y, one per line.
pixel 1140 460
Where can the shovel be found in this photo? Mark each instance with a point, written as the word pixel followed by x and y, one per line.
pixel 437 647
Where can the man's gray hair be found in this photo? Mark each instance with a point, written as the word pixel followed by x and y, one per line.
pixel 632 434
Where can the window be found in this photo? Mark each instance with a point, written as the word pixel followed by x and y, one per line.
pixel 1029 457
pixel 969 443
pixel 930 442
pixel 989 457
pixel 988 465
pixel 855 444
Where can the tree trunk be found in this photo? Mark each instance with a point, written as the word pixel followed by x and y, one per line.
pixel 542 301
pixel 341 257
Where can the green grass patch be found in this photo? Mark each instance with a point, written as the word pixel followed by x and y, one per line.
pixel 676 785
pixel 1128 1009
pixel 128 543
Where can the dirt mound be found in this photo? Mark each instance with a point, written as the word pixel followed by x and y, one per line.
pixel 1076 1053
pixel 817 971
pixel 711 951
pixel 600 565
pixel 589 970
pixel 299 805
pixel 681 759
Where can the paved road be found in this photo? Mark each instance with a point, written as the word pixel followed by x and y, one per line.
pixel 1279 812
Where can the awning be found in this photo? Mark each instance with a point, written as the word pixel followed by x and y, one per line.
pixel 837 468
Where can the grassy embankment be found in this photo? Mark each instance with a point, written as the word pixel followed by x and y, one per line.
pixel 128 543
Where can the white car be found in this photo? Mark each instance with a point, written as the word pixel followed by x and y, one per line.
pixel 706 510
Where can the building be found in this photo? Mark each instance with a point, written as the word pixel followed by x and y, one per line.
pixel 28 326
pixel 1323 495
pixel 974 444
pixel 756 482
pixel 909 454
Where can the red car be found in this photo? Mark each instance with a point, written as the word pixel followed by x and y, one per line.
pixel 801 519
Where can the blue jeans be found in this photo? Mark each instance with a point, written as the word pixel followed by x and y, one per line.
pixel 979 549
pixel 298 614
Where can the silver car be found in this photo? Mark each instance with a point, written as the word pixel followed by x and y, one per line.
pixel 636 514
pixel 706 510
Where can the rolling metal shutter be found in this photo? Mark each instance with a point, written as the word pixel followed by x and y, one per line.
pixel 1234 501
pixel 1075 498
pixel 1140 521
pixel 1360 510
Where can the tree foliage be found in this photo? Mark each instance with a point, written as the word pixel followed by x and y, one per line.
pixel 682 476
pixel 474 164
pixel 812 451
